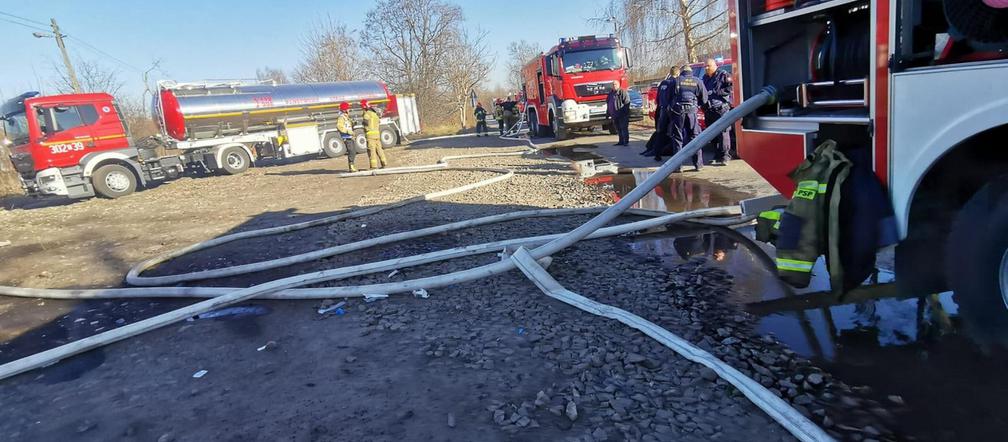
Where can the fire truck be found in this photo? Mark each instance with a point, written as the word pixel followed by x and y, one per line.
pixel 78 145
pixel 914 90
pixel 566 87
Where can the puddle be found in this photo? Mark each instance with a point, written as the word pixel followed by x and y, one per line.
pixel 574 153
pixel 916 346
pixel 675 194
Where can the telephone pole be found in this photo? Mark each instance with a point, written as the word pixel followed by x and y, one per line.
pixel 66 58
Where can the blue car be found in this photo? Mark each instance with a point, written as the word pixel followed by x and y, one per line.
pixel 636 105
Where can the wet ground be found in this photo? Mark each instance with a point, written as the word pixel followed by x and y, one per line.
pixel 908 349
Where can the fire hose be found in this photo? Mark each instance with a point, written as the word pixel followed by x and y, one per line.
pixel 545 246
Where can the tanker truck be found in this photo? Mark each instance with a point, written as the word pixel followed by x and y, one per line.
pixel 79 146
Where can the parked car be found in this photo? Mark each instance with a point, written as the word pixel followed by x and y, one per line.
pixel 636 105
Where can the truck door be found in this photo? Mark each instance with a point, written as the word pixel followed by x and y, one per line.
pixel 68 132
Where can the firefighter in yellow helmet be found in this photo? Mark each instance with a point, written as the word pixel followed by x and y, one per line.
pixel 372 121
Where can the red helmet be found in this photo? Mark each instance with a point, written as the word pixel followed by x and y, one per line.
pixel 344 106
pixel 364 104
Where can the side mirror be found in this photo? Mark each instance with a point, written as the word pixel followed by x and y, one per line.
pixel 626 58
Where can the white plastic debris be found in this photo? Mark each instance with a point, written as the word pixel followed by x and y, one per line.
pixel 373 298
pixel 5 243
pixel 199 374
pixel 421 293
pixel 269 346
pixel 363 225
pixel 331 308
pixel 393 273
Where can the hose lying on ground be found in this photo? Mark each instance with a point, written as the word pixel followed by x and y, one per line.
pixel 553 244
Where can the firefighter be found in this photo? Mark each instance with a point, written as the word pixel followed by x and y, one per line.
pixel 372 121
pixel 499 114
pixel 719 89
pixel 481 115
pixel 345 128
pixel 510 113
pixel 660 138
pixel 687 94
pixel 618 110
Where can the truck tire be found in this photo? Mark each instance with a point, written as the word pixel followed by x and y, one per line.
pixel 333 146
pixel 113 181
pixel 533 124
pixel 976 262
pixel 559 131
pixel 360 141
pixel 234 160
pixel 389 137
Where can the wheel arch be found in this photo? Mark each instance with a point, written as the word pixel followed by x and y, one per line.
pixel 90 162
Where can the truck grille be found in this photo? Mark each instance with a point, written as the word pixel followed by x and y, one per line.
pixel 592 89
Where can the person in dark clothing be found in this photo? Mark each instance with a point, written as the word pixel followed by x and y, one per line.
pixel 688 93
pixel 719 90
pixel 661 114
pixel 481 115
pixel 618 110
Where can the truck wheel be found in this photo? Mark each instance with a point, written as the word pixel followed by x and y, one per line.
pixel 977 262
pixel 235 160
pixel 113 181
pixel 559 131
pixel 360 141
pixel 333 145
pixel 389 137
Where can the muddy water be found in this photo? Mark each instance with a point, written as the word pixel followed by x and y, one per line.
pixel 912 348
pixel 675 194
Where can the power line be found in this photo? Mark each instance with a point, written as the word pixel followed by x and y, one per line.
pixel 99 51
pixel 25 25
pixel 24 19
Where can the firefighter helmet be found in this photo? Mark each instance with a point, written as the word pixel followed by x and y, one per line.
pixel 344 106
pixel 364 104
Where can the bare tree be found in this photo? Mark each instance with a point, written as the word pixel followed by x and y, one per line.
pixel 519 53
pixel 93 77
pixel 661 33
pixel 470 65
pixel 414 46
pixel 271 74
pixel 330 53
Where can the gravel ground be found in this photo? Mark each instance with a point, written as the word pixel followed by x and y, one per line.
pixel 493 359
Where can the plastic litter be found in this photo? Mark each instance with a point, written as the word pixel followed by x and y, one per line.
pixel 520 331
pixel 335 308
pixel 199 374
pixel 373 298
pixel 421 293
pixel 393 273
pixel 269 346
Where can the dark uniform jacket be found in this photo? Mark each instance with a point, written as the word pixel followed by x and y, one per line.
pixel 719 89
pixel 618 104
pixel 689 90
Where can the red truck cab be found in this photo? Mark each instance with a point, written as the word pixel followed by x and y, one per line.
pixel 566 87
pixel 71 145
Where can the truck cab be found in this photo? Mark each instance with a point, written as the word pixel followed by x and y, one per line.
pixel 73 145
pixel 566 87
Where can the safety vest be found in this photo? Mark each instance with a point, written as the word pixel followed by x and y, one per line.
pixel 343 124
pixel 372 121
pixel 805 229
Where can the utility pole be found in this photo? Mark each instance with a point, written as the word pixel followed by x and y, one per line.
pixel 66 58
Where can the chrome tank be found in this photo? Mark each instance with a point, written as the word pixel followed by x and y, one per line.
pixel 193 111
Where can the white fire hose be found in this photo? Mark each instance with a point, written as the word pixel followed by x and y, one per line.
pixel 545 245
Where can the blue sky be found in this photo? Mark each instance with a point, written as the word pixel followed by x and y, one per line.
pixel 230 39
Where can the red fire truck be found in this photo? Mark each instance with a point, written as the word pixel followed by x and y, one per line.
pixel 921 87
pixel 566 87
pixel 78 145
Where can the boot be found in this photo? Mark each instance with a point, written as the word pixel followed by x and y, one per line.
pixel 353 168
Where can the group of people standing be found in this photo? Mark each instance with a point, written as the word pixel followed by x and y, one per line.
pixel 504 111
pixel 371 120
pixel 680 96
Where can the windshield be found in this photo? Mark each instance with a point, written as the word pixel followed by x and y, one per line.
pixel 16 128
pixel 591 60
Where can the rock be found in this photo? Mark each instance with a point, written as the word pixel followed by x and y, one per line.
pixel 814 379
pixel 351 359
pixel 898 400
pixel 557 410
pixel 541 399
pixel 682 418
pixel 86 426
pixel 708 374
pixel 804 399
pixel 499 417
pixel 571 411
pixel 404 414
pixel 871 431
pixel 634 358
pixel 515 417
pixel 523 421
pixel 451 420
pixel 167 437
pixel 599 434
